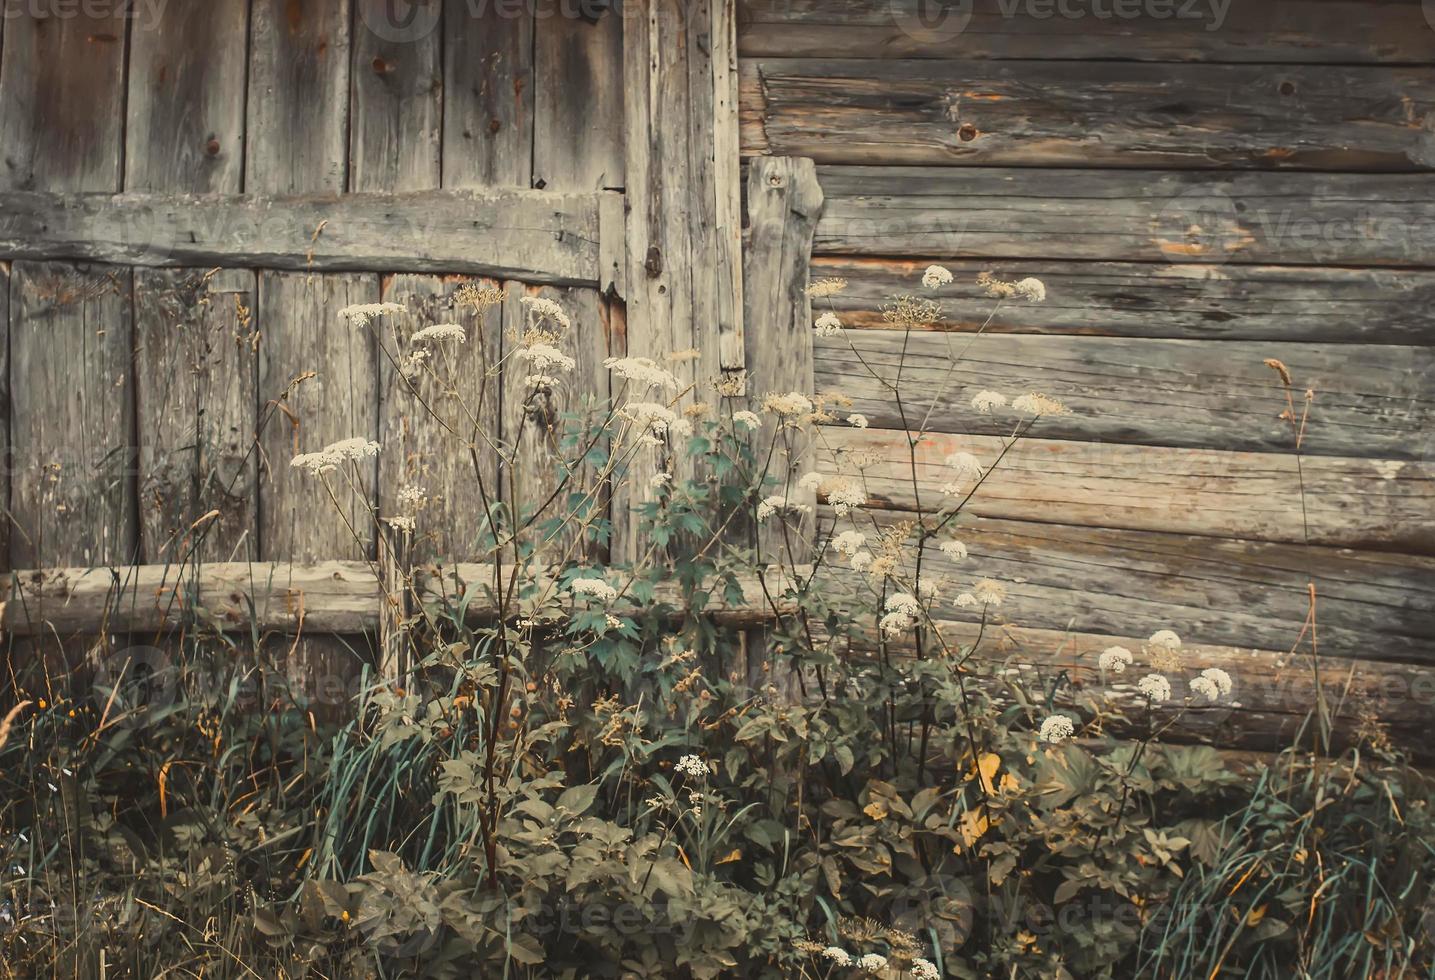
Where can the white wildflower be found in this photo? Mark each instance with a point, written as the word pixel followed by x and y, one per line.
pixel 838 955
pixel 360 314
pixel 315 462
pixel 1031 289
pixel 437 332
pixel 985 401
pixel 861 561
pixel 988 592
pixel 1037 404
pixel 401 523
pixel 659 480
pixel 412 497
pixel 966 465
pixel 1213 683
pixel 593 588
pixel 749 419
pixel 546 309
pixel 935 276
pixel 542 381
pixel 848 543
pixel 1056 729
pixel 810 481
pixel 1166 639
pixel 777 502
pixel 828 325
pixel 787 405
pixel 893 623
pixel 872 962
pixel 649 416
pixel 1114 659
pixel 545 357
pixel 924 970
pixel 642 370
pixel 692 766
pixel 1155 686
pixel 356 448
pixel 830 286
pixel 903 602
pixel 953 549
pixel 844 494
pixel 857 420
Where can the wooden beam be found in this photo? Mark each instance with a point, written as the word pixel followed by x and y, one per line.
pixel 1342 32
pixel 1130 299
pixel 528 235
pixel 1088 114
pixel 1354 503
pixel 1141 216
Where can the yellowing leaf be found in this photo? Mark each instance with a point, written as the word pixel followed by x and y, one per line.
pixel 1255 915
pixel 877 810
pixel 987 767
pixel 972 826
pixel 736 855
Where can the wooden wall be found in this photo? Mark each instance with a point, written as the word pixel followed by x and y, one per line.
pixel 1197 197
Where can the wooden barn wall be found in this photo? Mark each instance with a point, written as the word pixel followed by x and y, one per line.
pixel 1197 197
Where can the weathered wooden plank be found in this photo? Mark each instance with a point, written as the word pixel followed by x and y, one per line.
pixel 1194 302
pixel 184 119
pixel 62 98
pixel 1144 216
pixel 1274 31
pixel 429 447
pixel 537 472
pixel 1370 401
pixel 1089 113
pixel 1370 605
pixel 538 236
pixel 72 494
pixel 395 132
pixel 196 347
pixel 303 333
pixel 488 95
pixel 784 203
pixel 578 100
pixel 7 519
pixel 298 104
pixel 1357 503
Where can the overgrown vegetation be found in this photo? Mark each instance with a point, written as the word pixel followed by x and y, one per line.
pixel 780 744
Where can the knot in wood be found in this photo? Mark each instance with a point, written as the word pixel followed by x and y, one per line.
pixel 653 262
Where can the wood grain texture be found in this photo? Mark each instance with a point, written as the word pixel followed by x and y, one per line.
pixel 538 472
pixel 72 495
pixel 1143 216
pixel 296 134
pixel 578 101
pixel 1370 605
pixel 488 95
pixel 1357 503
pixel 302 331
pixel 1371 401
pixel 184 119
pixel 7 519
pixel 1090 113
pixel 396 116
pixel 538 236
pixel 429 447
pixel 1276 31
pixel 196 353
pixel 62 98
pixel 784 203
pixel 1189 302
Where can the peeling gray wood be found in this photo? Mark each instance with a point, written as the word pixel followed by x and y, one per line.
pixel 1358 503
pixel 429 448
pixel 62 99
pixel 1371 401
pixel 72 416
pixel 184 119
pixel 488 95
pixel 578 95
pixel 1090 114
pixel 1190 302
pixel 550 238
pixel 1298 31
pixel 196 348
pixel 298 96
pixel 395 132
pixel 1143 216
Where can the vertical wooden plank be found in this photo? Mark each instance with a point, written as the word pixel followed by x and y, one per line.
pixel 683 274
pixel 488 94
pixel 72 416
pixel 62 98
pixel 195 377
pixel 428 448
pixel 6 458
pixel 533 424
pixel 298 96
pixel 578 95
pixel 784 202
pixel 184 122
pixel 397 111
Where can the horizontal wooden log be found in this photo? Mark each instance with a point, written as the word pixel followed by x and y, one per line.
pixel 1356 503
pixel 528 235
pixel 1089 113
pixel 1189 302
pixel 1370 401
pixel 1142 216
pixel 1271 31
pixel 1370 605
